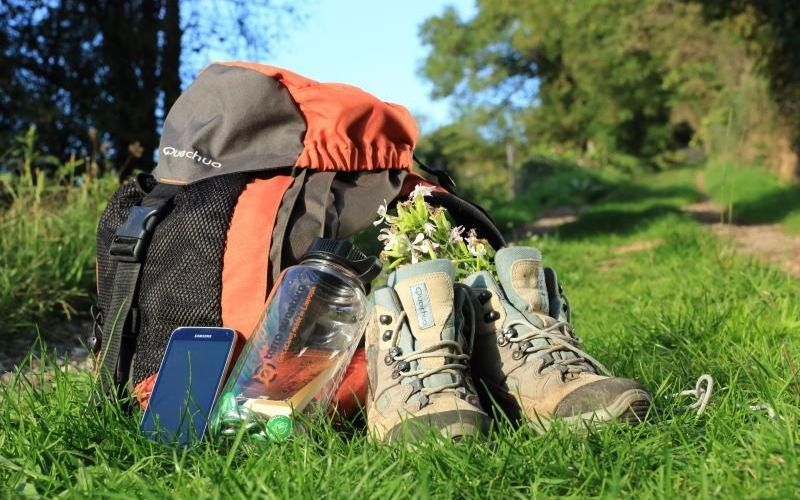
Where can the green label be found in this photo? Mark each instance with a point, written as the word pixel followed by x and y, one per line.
pixel 279 427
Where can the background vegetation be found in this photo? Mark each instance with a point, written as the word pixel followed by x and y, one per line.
pixel 628 84
pixel 102 74
pixel 47 223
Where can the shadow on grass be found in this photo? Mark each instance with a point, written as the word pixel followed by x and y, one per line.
pixel 615 221
pixel 631 192
pixel 628 207
pixel 552 184
pixel 773 207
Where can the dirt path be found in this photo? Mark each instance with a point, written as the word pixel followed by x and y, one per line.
pixel 547 221
pixel 65 342
pixel 767 242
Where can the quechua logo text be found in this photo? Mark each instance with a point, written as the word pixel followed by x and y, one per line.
pixel 192 155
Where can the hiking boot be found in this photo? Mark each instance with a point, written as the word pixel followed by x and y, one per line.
pixel 531 363
pixel 418 357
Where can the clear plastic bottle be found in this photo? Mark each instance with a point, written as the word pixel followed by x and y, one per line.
pixel 297 355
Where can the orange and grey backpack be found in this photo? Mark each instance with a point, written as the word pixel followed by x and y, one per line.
pixel 254 163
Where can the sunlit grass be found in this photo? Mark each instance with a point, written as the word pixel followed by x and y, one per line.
pixel 655 298
pixel 753 195
pixel 48 220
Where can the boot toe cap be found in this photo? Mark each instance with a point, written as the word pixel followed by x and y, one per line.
pixel 613 398
pixel 454 424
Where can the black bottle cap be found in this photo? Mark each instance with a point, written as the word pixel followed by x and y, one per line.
pixel 343 252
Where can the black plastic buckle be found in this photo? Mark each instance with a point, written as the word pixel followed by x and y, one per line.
pixel 132 237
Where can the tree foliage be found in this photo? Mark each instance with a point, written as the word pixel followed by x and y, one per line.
pixel 72 67
pixel 639 77
pixel 772 27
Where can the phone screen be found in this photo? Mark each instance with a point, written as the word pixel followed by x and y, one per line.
pixel 190 376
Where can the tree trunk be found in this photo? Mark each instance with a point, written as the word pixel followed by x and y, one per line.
pixel 512 178
pixel 788 160
pixel 130 48
pixel 171 53
pixel 790 165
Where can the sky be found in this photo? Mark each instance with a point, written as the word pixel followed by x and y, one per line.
pixel 374 45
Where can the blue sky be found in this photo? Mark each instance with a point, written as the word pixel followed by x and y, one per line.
pixel 371 44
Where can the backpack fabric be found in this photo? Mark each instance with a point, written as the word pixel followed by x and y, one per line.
pixel 254 163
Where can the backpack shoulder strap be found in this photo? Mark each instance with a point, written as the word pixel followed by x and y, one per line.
pixel 464 212
pixel 128 249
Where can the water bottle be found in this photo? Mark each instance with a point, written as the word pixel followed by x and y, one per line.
pixel 294 360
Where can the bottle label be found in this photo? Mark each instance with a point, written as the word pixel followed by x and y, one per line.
pixel 289 323
pixel 422 304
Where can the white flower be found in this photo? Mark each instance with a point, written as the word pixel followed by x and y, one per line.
pixel 472 237
pixel 382 214
pixel 455 234
pixel 478 249
pixel 475 245
pixel 389 238
pixel 420 244
pixel 420 190
pixel 429 228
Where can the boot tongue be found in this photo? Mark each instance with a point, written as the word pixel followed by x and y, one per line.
pixel 522 275
pixel 426 292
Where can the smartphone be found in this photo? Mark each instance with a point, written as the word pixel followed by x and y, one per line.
pixel 192 372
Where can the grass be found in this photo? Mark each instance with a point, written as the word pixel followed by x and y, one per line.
pixel 655 297
pixel 753 195
pixel 47 248
pixel 546 182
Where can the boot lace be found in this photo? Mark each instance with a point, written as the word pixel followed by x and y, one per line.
pixel 558 337
pixel 452 352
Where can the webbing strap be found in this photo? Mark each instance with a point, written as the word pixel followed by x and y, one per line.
pixel 128 248
pixel 126 280
pixel 442 176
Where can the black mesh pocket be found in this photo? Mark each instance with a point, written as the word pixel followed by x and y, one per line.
pixel 181 281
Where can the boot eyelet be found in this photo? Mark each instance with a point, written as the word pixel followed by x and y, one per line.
pixel 387 335
pixel 502 340
pixel 491 316
pixel 517 355
pixel 484 296
pixel 388 359
pixel 395 374
pixel 395 351
pixel 403 366
pixel 385 319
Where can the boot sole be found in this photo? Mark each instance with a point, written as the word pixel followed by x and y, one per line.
pixel 453 425
pixel 631 407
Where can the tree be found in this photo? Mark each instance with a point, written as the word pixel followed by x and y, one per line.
pixel 573 69
pixel 115 65
pixel 639 77
pixel 773 28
